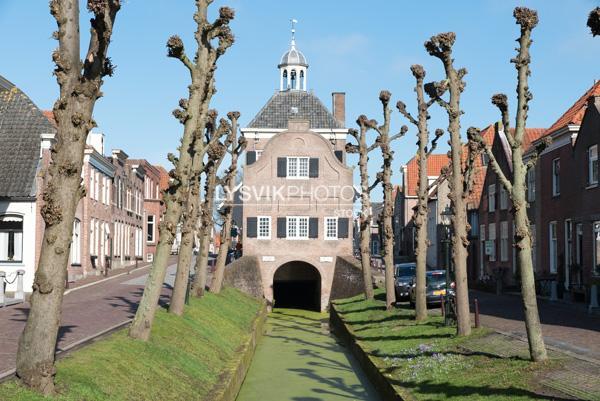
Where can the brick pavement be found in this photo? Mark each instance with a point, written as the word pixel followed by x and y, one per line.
pixel 568 327
pixel 86 312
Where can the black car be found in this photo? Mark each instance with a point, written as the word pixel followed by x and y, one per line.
pixel 435 287
pixel 404 274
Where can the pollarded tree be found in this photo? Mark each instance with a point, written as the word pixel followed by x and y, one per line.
pixel 516 186
pixel 206 227
pixel 440 46
pixel 193 115
pixel 420 215
pixel 362 149
pixel 384 140
pixel 189 221
pixel 228 182
pixel 80 83
pixel 593 21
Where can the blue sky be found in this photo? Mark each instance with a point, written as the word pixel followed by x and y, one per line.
pixel 351 46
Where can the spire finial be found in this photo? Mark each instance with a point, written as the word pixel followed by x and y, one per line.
pixel 294 22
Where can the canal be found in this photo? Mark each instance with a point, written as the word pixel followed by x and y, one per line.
pixel 299 360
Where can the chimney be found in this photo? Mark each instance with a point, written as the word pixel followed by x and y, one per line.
pixel 339 107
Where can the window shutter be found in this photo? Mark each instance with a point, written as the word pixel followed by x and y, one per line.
pixel 313 227
pixel 251 227
pixel 313 168
pixel 250 157
pixel 281 227
pixel 340 155
pixel 343 227
pixel 281 168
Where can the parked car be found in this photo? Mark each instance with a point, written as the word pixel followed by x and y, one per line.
pixel 404 274
pixel 435 288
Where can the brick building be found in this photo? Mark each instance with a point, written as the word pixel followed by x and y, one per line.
pixel 300 228
pixel 569 197
pixel 494 247
pixel 127 211
pixel 152 206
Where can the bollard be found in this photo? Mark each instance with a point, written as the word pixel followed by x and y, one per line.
pixel 477 325
pixel 553 291
pixel 20 294
pixel 2 277
pixel 442 306
pixel 593 297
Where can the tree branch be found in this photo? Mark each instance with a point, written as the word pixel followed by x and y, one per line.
pixel 478 141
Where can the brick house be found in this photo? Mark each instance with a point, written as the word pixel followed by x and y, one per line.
pixel 297 191
pixel 153 206
pixel 127 210
pixel 496 227
pixel 406 200
pixel 570 200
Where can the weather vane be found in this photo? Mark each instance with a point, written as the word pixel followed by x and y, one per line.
pixel 294 22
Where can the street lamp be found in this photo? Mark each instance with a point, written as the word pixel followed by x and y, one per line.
pixel 446 219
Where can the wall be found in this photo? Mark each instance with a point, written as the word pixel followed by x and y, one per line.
pixel 262 175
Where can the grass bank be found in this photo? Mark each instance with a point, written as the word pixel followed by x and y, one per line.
pixel 426 361
pixel 183 360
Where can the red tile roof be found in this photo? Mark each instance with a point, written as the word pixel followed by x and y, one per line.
pixel 435 163
pixel 575 113
pixel 50 116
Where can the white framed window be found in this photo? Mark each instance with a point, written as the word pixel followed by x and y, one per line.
pixel 264 227
pixel 331 228
pixel 503 198
pixel 492 238
pixel 11 239
pixel 92 184
pixel 531 185
pixel 592 155
pixel 481 250
pixel 258 154
pixel 556 177
pixel 76 243
pixel 596 249
pixel 492 197
pixel 553 247
pixel 150 222
pixel 579 244
pixel 297 227
pixel 504 241
pixel 297 167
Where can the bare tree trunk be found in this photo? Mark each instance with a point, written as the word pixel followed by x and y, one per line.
pixel 190 217
pixel 420 216
pixel 517 189
pixel 440 46
pixel 227 212
pixel 80 85
pixel 366 216
pixel 193 116
pixel 207 223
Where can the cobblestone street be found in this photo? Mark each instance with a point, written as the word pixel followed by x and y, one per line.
pixel 86 312
pixel 568 327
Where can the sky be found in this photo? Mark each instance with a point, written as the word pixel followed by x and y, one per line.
pixel 352 46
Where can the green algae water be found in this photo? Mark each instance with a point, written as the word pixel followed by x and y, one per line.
pixel 298 360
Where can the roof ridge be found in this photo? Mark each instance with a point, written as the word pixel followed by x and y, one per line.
pixel 574 113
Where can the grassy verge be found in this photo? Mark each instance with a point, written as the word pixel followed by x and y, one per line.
pixel 182 361
pixel 432 364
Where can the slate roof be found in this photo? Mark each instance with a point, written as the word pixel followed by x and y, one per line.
pixel 21 124
pixel 289 104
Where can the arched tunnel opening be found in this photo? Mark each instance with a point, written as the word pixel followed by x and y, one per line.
pixel 297 285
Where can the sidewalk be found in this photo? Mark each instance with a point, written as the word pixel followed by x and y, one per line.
pixel 568 328
pixel 86 312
